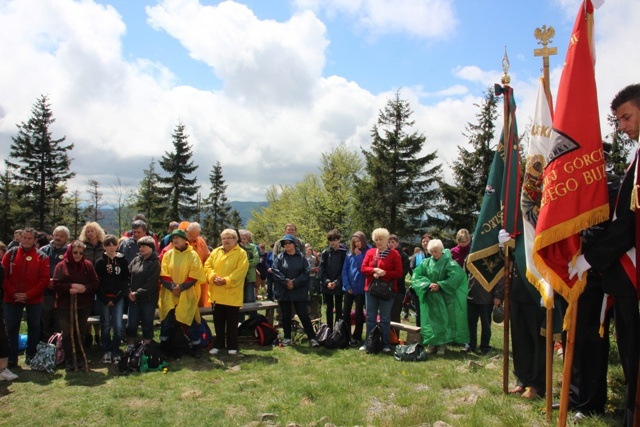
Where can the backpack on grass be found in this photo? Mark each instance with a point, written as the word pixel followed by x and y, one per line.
pixel 374 340
pixel 141 358
pixel 266 333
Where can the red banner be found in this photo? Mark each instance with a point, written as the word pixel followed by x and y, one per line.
pixel 574 193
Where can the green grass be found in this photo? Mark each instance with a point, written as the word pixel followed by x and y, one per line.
pixel 297 384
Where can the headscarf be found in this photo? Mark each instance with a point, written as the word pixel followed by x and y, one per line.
pixel 68 257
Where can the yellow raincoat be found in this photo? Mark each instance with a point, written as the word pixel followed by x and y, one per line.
pixel 233 266
pixel 180 266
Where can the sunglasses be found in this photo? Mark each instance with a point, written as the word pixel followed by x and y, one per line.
pixel 78 253
pixel 286 242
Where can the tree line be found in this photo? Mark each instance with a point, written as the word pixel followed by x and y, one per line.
pixel 393 184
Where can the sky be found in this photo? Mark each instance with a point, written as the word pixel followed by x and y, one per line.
pixel 267 87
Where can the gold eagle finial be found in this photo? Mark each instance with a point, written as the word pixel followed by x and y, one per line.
pixel 544 35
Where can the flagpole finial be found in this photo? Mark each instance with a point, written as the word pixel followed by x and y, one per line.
pixel 505 67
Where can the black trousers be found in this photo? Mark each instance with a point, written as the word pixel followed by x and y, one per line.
pixel 627 323
pixel 588 389
pixel 528 346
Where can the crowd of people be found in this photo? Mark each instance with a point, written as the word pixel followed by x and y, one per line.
pixel 361 283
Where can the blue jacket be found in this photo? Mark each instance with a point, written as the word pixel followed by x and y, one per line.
pixel 291 267
pixel 352 277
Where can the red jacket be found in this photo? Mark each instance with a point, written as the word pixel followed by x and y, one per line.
pixel 391 264
pixel 27 273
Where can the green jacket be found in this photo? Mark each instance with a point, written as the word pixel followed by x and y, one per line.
pixel 443 314
pixel 254 258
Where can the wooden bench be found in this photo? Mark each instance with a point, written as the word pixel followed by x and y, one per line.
pixel 95 320
pixel 268 306
pixel 414 334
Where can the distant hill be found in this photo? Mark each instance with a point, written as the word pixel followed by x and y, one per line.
pixel 244 209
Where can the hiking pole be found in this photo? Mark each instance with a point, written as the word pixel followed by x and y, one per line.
pixel 71 326
pixel 74 299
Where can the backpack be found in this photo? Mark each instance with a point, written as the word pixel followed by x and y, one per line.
pixel 266 333
pixel 339 336
pixel 248 327
pixel 131 359
pixel 56 340
pixel 323 334
pixel 374 340
pixel 152 360
pixel 205 333
pixel 410 353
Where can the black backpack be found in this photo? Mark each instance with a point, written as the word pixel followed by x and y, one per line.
pixel 248 327
pixel 266 333
pixel 340 335
pixel 374 340
pixel 130 361
pixel 323 334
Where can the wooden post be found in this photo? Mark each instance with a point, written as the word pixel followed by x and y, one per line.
pixel 545 36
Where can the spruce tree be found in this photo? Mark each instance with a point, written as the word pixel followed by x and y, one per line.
pixel 463 199
pixel 217 211
pixel 179 190
pixel 93 212
pixel 148 199
pixel 41 165
pixel 399 189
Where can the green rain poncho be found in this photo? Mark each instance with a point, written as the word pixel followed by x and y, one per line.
pixel 443 314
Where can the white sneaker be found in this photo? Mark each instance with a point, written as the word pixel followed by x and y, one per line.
pixel 286 342
pixel 106 359
pixel 214 351
pixel 386 350
pixel 363 348
pixel 232 352
pixel 7 375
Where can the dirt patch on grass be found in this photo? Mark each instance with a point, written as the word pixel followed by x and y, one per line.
pixel 467 395
pixel 191 394
pixel 383 410
pixel 235 411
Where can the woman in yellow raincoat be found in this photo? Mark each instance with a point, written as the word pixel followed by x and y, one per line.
pixel 226 269
pixel 181 273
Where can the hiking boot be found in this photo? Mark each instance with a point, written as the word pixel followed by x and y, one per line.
pixel 314 343
pixel 106 359
pixel 7 375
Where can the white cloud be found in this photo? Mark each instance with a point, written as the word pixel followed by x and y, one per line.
pixel 428 19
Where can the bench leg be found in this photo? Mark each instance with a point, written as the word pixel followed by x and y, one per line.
pixel 269 315
pixel 414 337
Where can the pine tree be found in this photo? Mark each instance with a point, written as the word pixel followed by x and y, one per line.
pixel 41 164
pixel 463 199
pixel 148 199
pixel 400 186
pixel 236 220
pixel 178 189
pixel 217 211
pixel 93 212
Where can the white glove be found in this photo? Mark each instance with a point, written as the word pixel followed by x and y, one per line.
pixel 578 268
pixel 503 237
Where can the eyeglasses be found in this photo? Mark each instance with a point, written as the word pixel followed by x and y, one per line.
pixel 78 253
pixel 286 242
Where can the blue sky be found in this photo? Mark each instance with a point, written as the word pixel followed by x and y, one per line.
pixel 266 87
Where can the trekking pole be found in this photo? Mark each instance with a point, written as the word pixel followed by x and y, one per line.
pixel 71 326
pixel 75 312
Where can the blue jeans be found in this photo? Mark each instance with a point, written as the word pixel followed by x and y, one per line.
pixel 141 313
pixel 169 322
pixel 111 319
pixel 13 318
pixel 249 296
pixel 375 305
